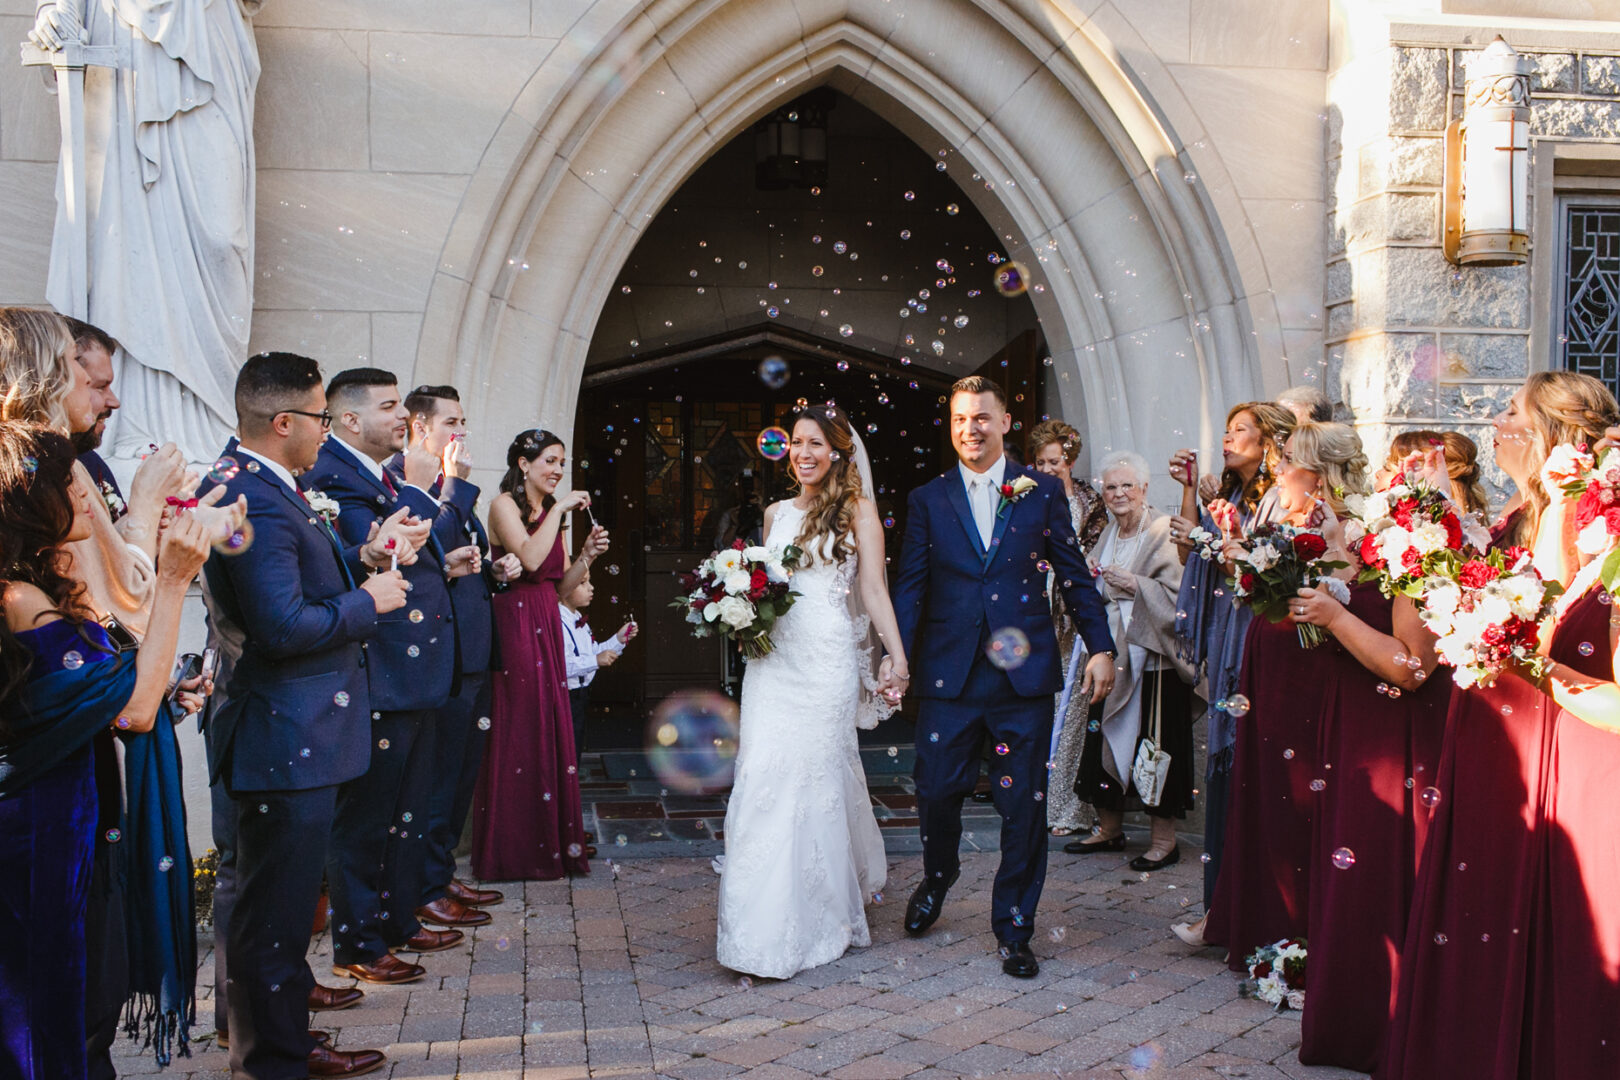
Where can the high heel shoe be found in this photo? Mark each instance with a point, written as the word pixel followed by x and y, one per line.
pixel 1191 933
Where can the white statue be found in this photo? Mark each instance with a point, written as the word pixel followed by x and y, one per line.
pixel 165 194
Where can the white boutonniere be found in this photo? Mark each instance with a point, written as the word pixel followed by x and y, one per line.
pixel 1014 490
pixel 323 504
pixel 115 503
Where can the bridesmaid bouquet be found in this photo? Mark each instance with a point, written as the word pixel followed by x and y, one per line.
pixel 1277 974
pixel 1280 561
pixel 740 593
pixel 1596 483
pixel 1486 613
pixel 1412 532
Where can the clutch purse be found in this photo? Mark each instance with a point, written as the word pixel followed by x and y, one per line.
pixel 1151 769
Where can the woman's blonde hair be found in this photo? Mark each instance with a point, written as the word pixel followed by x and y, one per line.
pixel 1274 422
pixel 1564 407
pixel 1333 452
pixel 829 522
pixel 1048 432
pixel 1462 462
pixel 36 373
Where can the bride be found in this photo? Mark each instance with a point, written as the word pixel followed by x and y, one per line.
pixel 803 850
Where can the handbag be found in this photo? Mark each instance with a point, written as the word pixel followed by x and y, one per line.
pixel 1151 769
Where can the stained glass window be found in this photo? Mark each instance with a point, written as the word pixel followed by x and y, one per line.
pixel 1590 341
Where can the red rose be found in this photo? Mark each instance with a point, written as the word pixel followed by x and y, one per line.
pixel 1476 574
pixel 1403 512
pixel 1246 582
pixel 1590 506
pixel 1308 546
pixel 1006 491
pixel 1512 555
pixel 1367 552
pixel 1454 533
pixel 756 585
pixel 1410 559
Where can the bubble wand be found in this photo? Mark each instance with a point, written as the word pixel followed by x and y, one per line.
pixel 393 554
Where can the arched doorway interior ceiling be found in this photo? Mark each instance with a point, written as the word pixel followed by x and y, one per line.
pixel 1149 325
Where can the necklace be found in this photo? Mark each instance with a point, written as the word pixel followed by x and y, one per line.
pixel 1119 552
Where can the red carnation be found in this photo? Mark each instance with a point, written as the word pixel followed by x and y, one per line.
pixel 756 584
pixel 1611 518
pixel 1454 533
pixel 1308 546
pixel 1410 559
pixel 1403 512
pixel 1367 552
pixel 1512 555
pixel 1476 574
pixel 1590 506
pixel 738 544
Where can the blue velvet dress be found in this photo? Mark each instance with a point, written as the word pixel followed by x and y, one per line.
pixel 47 831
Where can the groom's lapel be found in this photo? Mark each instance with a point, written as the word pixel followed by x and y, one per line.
pixel 956 492
pixel 1002 518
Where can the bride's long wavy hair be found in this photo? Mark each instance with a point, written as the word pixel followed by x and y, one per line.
pixel 832 507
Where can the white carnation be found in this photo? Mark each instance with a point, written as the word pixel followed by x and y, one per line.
pixel 1442 602
pixel 1263 557
pixel 1429 538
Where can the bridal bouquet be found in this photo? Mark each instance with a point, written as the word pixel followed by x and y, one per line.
pixel 740 593
pixel 1412 532
pixel 1277 974
pixel 1486 612
pixel 1596 483
pixel 1280 561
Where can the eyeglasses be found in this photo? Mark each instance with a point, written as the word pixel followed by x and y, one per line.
pixel 324 416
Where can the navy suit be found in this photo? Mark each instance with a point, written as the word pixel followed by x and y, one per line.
pixel 381 823
pixel 296 729
pixel 950 596
pixel 459 743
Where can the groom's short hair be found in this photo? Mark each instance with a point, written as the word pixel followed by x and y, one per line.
pixel 978 384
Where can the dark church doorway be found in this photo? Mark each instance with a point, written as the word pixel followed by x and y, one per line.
pixel 870 281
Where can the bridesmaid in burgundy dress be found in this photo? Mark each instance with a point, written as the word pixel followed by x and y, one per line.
pixel 530 823
pixel 1460 1007
pixel 1574 991
pixel 1263 887
pixel 1379 744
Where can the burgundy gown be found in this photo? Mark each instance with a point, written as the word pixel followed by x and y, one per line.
pixel 1378 754
pixel 529 823
pixel 1460 1007
pixel 1574 998
pixel 1263 885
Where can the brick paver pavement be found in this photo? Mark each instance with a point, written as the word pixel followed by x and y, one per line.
pixel 613 976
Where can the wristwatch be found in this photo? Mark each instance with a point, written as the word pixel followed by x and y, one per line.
pixel 1110 653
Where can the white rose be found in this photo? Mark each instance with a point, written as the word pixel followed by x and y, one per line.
pixel 1296 999
pixel 1441 602
pixel 738 581
pixel 736 612
pixel 1375 506
pixel 776 572
pixel 728 560
pixel 756 554
pixel 1392 545
pixel 1263 557
pixel 1429 538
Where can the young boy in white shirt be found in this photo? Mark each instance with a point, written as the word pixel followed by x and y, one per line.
pixel 583 654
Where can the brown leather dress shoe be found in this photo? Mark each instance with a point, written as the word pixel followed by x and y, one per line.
pixel 472 897
pixel 332 998
pixel 425 940
pixel 324 1061
pixel 387 968
pixel 448 911
pixel 222 1039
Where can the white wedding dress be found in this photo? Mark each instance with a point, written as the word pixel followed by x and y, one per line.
pixel 803 850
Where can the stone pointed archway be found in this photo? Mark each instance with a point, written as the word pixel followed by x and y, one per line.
pixel 1126 226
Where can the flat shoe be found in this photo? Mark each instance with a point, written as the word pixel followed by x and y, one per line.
pixel 1081 847
pixel 1145 865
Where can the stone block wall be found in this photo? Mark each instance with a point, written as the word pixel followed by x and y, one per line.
pixel 1411 339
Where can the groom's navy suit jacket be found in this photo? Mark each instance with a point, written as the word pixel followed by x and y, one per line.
pixel 949 593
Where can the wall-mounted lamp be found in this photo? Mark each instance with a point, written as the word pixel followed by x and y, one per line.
pixel 1487 195
pixel 790 145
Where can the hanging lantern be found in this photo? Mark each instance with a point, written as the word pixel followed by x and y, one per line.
pixel 1487 193
pixel 790 145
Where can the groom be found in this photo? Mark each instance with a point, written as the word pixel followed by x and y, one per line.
pixel 969 594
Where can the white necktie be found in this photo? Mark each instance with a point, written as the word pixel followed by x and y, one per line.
pixel 984 509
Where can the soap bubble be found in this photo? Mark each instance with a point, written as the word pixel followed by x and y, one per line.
pixel 483 723
pixel 1145 1058
pixel 238 541
pixel 1288 754
pixel 1006 781
pixel 1237 705
pixel 839 247
pixel 1008 648
pixel 165 864
pixel 1585 648
pixel 772 444
pixel 1344 858
pixel 574 851
pixel 1002 748
pixel 1011 279
pixel 846 330
pixel 224 470
pixel 1430 797
pixel 692 741
pixel 952 209
pixel 341 699
pixel 960 322
pixel 1319 785
pixel 72 660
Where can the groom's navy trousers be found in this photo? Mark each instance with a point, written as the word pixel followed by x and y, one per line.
pixel 951 594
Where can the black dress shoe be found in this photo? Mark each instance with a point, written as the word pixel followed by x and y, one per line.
pixel 1146 865
pixel 983 796
pixel 1080 847
pixel 926 904
pixel 1018 961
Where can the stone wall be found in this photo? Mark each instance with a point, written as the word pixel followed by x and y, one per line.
pixel 1411 339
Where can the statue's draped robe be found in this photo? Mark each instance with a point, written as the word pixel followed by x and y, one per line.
pixel 170 188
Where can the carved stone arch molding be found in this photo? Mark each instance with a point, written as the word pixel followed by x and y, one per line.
pixel 1089 158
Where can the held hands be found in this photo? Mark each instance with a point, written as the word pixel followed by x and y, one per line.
pixel 388 590
pixel 464 561
pixel 407 533
pixel 457 459
pixel 892 686
pixel 182 550
pixel 507 568
pixel 1098 679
